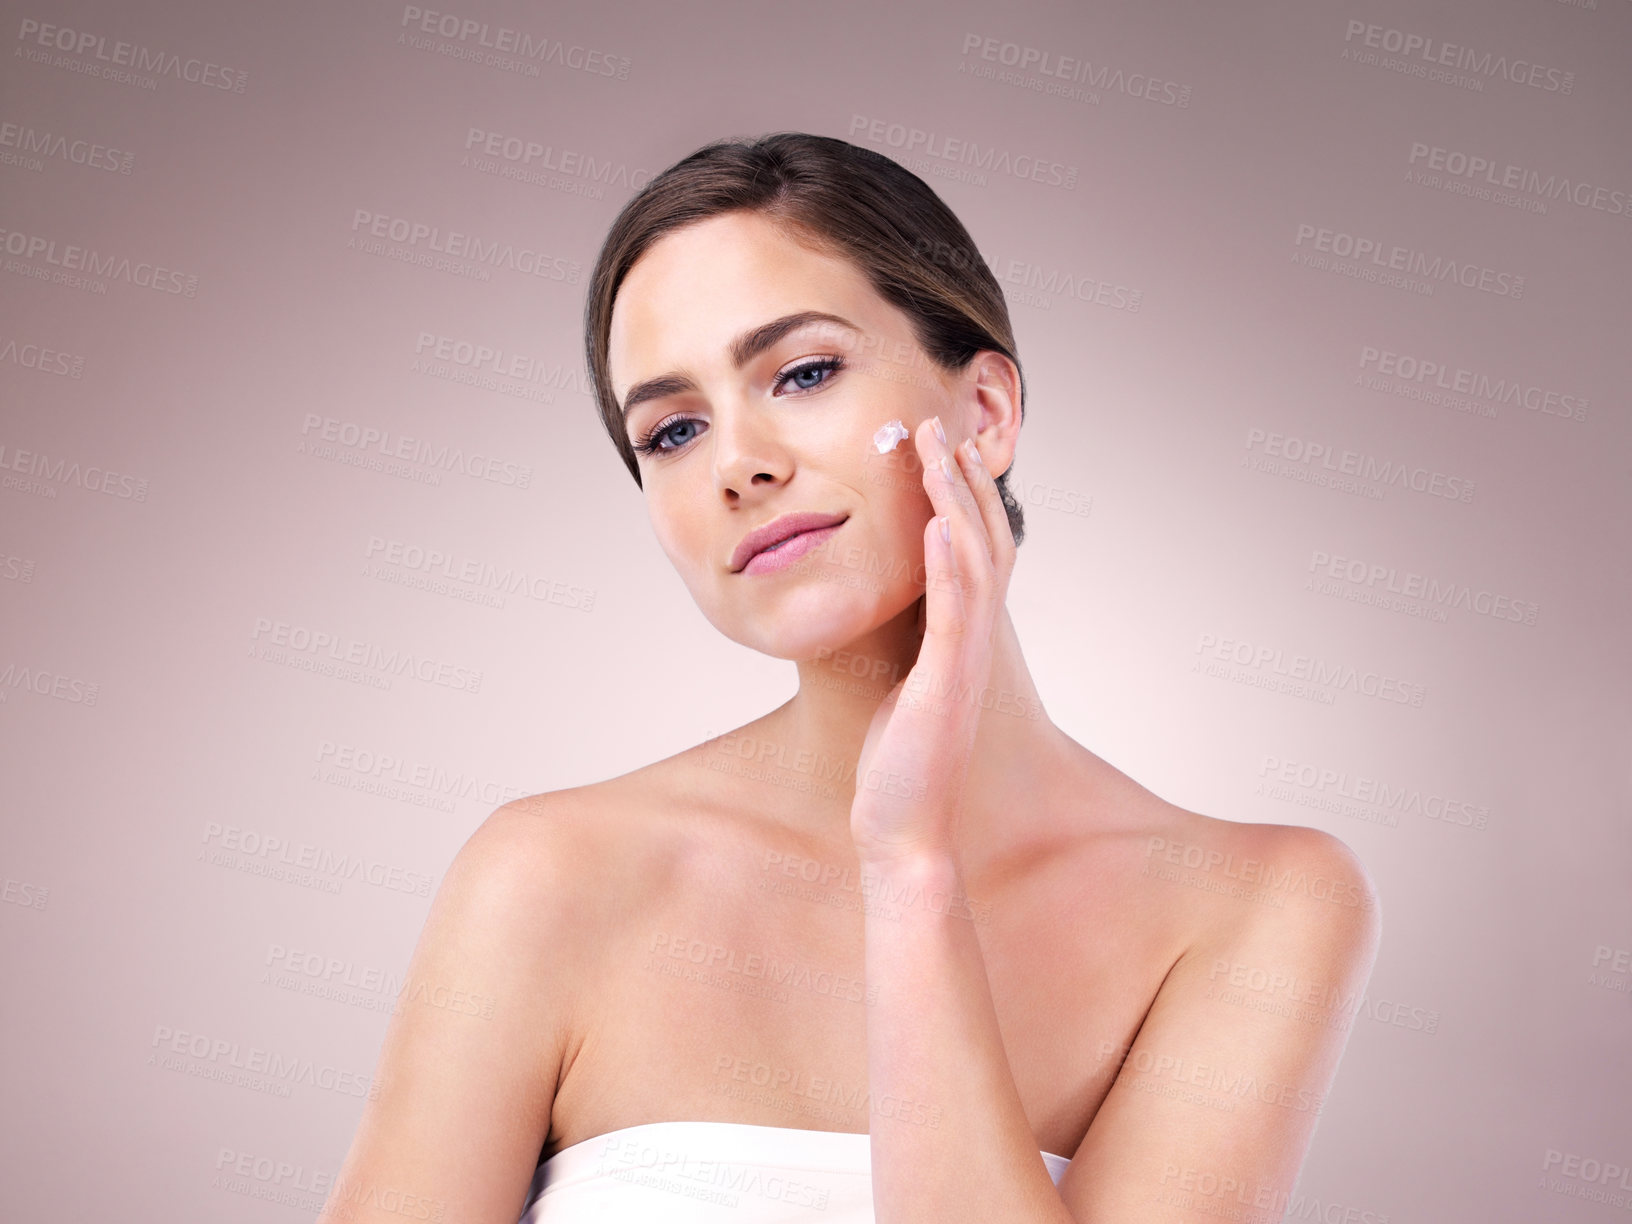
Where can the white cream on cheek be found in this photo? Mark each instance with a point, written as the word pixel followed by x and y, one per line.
pixel 889 436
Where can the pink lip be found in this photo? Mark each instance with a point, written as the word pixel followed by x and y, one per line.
pixel 788 552
pixel 782 540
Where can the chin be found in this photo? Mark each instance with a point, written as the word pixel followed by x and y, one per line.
pixel 816 618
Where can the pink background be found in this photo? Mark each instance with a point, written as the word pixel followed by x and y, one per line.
pixel 170 513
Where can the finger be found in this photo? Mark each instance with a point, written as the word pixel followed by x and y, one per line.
pixel 931 451
pixel 950 494
pixel 984 487
pixel 952 663
pixel 946 594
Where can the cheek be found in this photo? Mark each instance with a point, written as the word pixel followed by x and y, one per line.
pixel 897 512
pixel 896 485
pixel 681 528
pixel 674 523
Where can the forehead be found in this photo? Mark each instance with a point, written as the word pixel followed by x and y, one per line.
pixel 697 288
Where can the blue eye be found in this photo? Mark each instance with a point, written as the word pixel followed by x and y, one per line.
pixel 652 442
pixel 810 376
pixel 822 365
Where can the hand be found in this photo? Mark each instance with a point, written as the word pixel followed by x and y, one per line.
pixel 915 759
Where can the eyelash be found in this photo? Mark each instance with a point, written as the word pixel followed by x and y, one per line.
pixel 648 444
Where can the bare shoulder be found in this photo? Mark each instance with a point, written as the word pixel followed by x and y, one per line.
pixel 525 900
pixel 577 853
pixel 538 833
pixel 527 860
pixel 1210 882
pixel 488 1019
pixel 1278 886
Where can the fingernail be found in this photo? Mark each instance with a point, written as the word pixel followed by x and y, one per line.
pixel 946 469
pixel 974 452
pixel 939 432
pixel 946 530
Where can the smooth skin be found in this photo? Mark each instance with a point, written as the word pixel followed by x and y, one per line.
pixel 1162 996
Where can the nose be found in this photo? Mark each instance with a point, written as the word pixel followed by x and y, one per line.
pixel 748 452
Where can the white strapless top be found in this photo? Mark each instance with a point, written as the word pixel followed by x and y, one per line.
pixel 711 1172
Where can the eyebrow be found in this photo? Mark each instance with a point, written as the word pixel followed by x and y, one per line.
pixel 743 350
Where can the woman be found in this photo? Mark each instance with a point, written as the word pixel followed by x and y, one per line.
pixel 901 945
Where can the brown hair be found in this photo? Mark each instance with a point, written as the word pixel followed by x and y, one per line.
pixel 840 198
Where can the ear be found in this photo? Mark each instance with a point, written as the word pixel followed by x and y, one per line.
pixel 993 384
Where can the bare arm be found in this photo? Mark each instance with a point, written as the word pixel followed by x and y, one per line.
pixel 472 1056
pixel 1215 1103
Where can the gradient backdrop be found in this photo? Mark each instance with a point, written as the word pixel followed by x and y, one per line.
pixel 312 551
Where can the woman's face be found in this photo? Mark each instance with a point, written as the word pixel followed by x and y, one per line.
pixel 745 427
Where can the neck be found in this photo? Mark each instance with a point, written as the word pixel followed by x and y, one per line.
pixel 1016 744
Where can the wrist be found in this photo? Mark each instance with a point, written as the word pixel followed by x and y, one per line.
pixel 926 864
